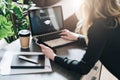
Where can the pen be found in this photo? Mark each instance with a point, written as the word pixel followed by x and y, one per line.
pixel 28 59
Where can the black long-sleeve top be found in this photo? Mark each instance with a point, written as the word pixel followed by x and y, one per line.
pixel 103 45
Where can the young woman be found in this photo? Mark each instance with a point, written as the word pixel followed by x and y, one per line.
pixel 101 26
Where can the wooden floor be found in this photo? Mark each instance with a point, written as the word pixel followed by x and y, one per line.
pixel 99 72
pixel 106 75
pixel 94 74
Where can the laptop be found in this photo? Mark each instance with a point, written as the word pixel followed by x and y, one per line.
pixel 46 24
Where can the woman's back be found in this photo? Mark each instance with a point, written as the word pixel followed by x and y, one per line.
pixel 110 54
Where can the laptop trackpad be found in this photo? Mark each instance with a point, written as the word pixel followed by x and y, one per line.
pixel 57 42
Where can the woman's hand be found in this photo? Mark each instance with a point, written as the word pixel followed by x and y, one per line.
pixel 68 35
pixel 48 52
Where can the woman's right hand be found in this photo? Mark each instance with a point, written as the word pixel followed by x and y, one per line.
pixel 48 52
pixel 68 35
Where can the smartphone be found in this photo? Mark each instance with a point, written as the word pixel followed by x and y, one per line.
pixel 38 42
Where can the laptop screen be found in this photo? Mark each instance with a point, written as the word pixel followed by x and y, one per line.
pixel 45 20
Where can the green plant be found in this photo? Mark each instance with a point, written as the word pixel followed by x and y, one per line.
pixel 5 22
pixel 20 18
pixel 5 27
pixel 14 19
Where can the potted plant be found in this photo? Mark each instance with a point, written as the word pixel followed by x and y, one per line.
pixel 5 22
pixel 5 27
pixel 13 18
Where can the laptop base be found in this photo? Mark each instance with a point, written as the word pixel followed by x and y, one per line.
pixel 57 42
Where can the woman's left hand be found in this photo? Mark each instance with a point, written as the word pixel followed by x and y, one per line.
pixel 48 52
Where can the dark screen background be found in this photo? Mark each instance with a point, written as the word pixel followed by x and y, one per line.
pixel 45 20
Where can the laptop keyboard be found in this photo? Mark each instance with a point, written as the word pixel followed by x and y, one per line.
pixel 49 37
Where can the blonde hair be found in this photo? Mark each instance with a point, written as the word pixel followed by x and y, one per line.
pixel 94 9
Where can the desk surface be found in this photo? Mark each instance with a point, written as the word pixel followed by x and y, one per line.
pixel 57 73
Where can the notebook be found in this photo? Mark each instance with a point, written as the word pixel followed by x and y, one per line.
pixel 46 23
pixel 28 62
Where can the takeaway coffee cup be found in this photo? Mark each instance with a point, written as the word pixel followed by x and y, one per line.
pixel 24 36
